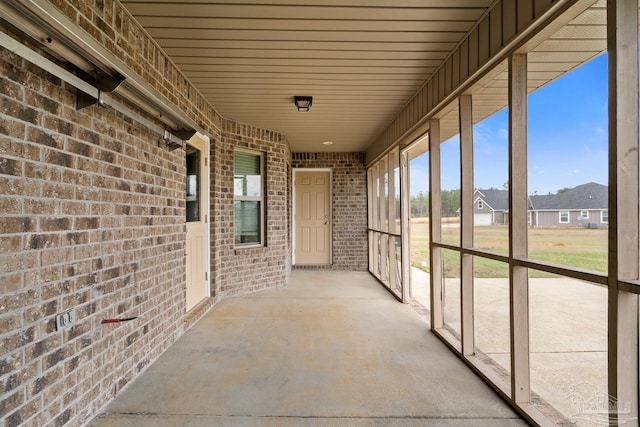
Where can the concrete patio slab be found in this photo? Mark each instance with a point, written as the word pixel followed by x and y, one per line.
pixel 330 349
pixel 568 336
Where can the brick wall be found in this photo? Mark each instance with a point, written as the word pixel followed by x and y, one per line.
pixel 349 205
pixel 92 219
pixel 244 270
pixel 111 24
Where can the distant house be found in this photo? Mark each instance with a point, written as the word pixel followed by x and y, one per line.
pixel 490 207
pixel 583 206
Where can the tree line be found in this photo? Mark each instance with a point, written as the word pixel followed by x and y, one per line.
pixel 450 204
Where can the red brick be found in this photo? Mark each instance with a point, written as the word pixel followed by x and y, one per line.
pixel 59 126
pixel 45 138
pixel 56 256
pixel 18 339
pixel 20 111
pixel 11 282
pixel 10 206
pixel 27 411
pixel 10 402
pixel 57 191
pixel 55 224
pixel 11 225
pixel 59 158
pixel 11 89
pixel 40 311
pixel 42 171
pixel 10 166
pixel 43 102
pixel 18 261
pixel 41 207
pixel 18 186
pixel 43 241
pixel 11 322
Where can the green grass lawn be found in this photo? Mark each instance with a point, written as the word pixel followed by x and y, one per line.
pixel 573 247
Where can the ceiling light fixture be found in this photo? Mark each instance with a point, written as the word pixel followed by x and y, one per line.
pixel 303 103
pixel 327 143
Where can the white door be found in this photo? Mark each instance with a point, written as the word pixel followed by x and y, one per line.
pixel 197 263
pixel 312 217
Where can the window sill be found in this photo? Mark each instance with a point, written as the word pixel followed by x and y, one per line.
pixel 248 249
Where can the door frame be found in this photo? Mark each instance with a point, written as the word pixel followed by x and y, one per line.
pixel 293 217
pixel 405 211
pixel 206 214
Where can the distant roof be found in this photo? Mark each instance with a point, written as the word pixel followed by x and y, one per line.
pixel 585 196
pixel 582 197
pixel 498 200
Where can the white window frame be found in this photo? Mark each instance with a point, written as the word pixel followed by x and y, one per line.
pixel 602 216
pixel 584 214
pixel 560 214
pixel 260 199
pixel 480 204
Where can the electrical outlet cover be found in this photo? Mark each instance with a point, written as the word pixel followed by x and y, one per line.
pixel 65 320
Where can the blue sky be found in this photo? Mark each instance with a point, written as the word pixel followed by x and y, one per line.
pixel 567 142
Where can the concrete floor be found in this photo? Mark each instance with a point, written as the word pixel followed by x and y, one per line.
pixel 568 336
pixel 330 349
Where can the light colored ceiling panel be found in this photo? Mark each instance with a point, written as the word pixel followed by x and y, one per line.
pixel 565 45
pixel 392 12
pixel 198 22
pixel 292 76
pixel 361 60
pixel 584 32
pixel 390 55
pixel 176 34
pixel 480 101
pixel 343 3
pixel 550 66
pixel 305 45
pixel 202 61
pixel 566 57
pixel 556 56
pixel 593 16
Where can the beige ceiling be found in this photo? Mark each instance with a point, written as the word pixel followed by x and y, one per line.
pixel 361 60
pixel 573 43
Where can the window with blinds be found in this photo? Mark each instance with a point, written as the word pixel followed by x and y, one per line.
pixel 248 196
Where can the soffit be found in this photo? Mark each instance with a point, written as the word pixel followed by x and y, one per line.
pixel 361 60
pixel 580 40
